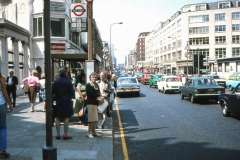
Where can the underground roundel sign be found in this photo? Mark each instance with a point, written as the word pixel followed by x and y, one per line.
pixel 79 10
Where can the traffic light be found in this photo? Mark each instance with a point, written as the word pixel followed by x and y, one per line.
pixel 195 61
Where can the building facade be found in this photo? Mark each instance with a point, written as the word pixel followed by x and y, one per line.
pixel 22 37
pixel 208 29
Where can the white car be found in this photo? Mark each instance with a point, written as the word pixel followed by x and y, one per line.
pixel 169 84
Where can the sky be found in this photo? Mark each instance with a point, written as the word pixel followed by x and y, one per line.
pixel 137 16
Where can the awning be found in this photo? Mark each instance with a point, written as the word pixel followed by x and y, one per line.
pixel 75 57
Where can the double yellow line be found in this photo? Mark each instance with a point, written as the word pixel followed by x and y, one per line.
pixel 124 146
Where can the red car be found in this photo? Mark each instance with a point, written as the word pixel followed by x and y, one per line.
pixel 145 78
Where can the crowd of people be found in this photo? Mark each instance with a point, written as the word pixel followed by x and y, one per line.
pixel 63 93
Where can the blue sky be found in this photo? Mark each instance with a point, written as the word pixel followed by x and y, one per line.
pixel 137 16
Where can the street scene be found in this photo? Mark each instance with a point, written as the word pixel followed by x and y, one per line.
pixel 119 80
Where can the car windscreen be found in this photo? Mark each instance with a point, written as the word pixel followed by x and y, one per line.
pixel 172 79
pixel 127 80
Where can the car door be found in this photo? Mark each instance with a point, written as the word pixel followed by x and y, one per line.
pixel 185 87
pixel 234 100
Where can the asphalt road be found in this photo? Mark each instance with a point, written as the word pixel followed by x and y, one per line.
pixel 164 127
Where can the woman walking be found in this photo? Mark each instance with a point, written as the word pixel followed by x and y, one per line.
pixel 3 108
pixel 93 92
pixel 33 85
pixel 42 93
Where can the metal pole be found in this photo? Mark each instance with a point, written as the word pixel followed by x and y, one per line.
pixel 90 45
pixel 49 151
pixel 206 65
pixel 198 64
pixel 187 66
pixel 110 51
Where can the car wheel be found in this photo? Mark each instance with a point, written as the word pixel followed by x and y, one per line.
pixel 150 85
pixel 230 88
pixel 159 90
pixel 193 100
pixel 225 111
pixel 181 95
pixel 164 91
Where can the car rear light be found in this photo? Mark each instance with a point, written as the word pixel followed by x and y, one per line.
pixel 224 92
pixel 197 92
pixel 166 85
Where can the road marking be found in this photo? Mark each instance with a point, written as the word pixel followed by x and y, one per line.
pixel 124 146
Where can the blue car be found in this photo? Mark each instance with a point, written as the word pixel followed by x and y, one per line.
pixel 233 81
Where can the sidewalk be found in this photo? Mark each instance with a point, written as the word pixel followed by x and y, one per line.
pixel 26 136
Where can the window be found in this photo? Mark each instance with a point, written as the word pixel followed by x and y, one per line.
pixel 196 19
pixel 198 30
pixel 236 15
pixel 204 52
pixel 38 26
pixel 227 67
pixel 236 52
pixel 179 22
pixel 179 33
pixel 236 39
pixel 219 67
pixel 220 17
pixel 223 5
pixel 236 27
pixel 57 27
pixel 220 39
pixel 220 28
pixel 238 3
pixel 238 66
pixel 200 40
pixel 200 8
pixel 220 52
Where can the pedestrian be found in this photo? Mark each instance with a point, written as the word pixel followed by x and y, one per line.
pixel 63 92
pixel 42 93
pixel 105 92
pixel 4 98
pixel 81 97
pixel 113 83
pixel 12 82
pixel 93 92
pixel 33 85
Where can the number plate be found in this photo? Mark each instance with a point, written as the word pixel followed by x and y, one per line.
pixel 127 89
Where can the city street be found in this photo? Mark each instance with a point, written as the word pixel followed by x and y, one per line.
pixel 162 126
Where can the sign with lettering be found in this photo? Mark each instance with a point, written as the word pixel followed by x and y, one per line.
pixel 58 46
pixel 79 10
pixel 57 6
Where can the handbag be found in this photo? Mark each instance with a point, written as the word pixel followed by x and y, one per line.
pixel 81 113
pixel 25 88
pixel 100 100
pixel 102 107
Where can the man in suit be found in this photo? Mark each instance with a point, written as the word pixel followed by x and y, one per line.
pixel 12 82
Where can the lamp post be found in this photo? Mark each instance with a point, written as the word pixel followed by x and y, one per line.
pixel 187 54
pixel 110 47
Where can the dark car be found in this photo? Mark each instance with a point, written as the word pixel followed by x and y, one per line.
pixel 203 88
pixel 230 103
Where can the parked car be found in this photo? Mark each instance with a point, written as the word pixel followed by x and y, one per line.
pixel 204 88
pixel 233 81
pixel 220 81
pixel 145 78
pixel 138 75
pixel 154 79
pixel 169 84
pixel 126 85
pixel 230 103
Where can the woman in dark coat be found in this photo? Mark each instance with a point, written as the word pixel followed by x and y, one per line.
pixel 63 91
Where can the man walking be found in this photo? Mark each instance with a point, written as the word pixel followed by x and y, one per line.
pixel 12 82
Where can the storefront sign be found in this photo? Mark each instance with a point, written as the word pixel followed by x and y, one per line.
pixel 57 6
pixel 58 46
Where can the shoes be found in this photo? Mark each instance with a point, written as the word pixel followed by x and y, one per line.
pixel 32 110
pixel 65 137
pixel 85 124
pixel 90 136
pixel 4 153
pixel 58 137
pixel 44 110
pixel 97 134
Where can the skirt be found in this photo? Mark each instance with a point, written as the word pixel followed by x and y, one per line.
pixel 32 94
pixel 42 94
pixel 92 113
